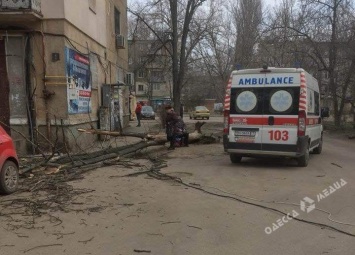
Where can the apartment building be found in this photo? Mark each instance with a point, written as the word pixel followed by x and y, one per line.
pixel 63 66
pixel 149 61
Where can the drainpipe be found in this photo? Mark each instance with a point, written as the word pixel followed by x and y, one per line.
pixel 30 104
pixel 46 93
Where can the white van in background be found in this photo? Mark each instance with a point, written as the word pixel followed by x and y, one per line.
pixel 272 112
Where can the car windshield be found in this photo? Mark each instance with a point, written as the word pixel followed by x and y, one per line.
pixel 201 108
pixel 147 109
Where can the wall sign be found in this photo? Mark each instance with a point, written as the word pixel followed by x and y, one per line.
pixel 78 82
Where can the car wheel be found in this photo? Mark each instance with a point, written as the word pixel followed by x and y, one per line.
pixel 208 118
pixel 235 158
pixel 303 160
pixel 318 150
pixel 9 178
pixel 190 117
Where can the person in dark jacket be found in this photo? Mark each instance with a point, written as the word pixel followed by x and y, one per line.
pixel 139 113
pixel 181 132
pixel 170 122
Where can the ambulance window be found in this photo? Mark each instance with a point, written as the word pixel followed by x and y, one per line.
pixel 313 102
pixel 316 103
pixel 246 101
pixel 282 100
pixel 310 101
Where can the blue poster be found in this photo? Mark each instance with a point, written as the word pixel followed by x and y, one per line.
pixel 78 82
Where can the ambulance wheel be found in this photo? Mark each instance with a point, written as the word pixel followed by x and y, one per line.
pixel 303 160
pixel 318 150
pixel 235 158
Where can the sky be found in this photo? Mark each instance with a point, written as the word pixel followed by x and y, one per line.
pixel 271 2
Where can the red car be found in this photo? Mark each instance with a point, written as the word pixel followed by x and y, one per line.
pixel 9 174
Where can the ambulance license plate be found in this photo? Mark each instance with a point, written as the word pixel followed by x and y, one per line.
pixel 245 132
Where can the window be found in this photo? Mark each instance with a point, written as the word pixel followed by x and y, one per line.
pixel 269 101
pixel 313 102
pixel 140 88
pixel 316 103
pixel 156 76
pixel 140 74
pixel 281 101
pixel 156 86
pixel 117 22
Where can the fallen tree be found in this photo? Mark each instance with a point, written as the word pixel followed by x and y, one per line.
pixel 87 161
pixel 158 138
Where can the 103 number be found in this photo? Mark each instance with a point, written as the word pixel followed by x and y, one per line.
pixel 277 135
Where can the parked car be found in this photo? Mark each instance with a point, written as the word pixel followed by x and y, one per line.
pixel 9 166
pixel 148 112
pixel 200 112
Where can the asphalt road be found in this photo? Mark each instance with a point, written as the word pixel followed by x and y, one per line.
pixel 143 215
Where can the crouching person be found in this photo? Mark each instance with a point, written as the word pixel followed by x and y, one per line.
pixel 170 122
pixel 181 132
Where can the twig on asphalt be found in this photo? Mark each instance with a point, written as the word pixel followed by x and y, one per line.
pixel 86 241
pixel 60 235
pixel 194 227
pixel 154 234
pixel 170 222
pixel 136 174
pixel 43 246
pixel 141 251
pixel 337 165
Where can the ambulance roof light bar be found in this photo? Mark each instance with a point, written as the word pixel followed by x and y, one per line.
pixel 265 69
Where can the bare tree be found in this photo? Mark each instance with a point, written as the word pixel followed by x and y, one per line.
pixel 214 55
pixel 322 32
pixel 247 19
pixel 183 27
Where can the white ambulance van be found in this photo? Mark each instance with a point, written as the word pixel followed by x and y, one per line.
pixel 272 112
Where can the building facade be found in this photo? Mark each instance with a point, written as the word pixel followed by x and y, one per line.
pixel 63 67
pixel 150 64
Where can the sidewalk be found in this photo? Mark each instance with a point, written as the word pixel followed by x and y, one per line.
pixel 147 126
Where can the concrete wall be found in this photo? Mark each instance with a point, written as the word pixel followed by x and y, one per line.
pixel 91 22
pixel 53 9
pixel 72 24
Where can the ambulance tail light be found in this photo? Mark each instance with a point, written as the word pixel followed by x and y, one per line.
pixel 226 122
pixel 301 123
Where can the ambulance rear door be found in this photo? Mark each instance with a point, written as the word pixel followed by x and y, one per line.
pixel 246 112
pixel 281 95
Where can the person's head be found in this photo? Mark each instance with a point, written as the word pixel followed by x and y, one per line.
pixel 169 109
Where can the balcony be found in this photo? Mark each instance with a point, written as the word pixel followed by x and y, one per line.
pixel 19 11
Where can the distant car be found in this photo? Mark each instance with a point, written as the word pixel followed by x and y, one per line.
pixel 200 112
pixel 9 174
pixel 148 112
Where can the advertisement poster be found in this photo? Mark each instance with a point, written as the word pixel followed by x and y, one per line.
pixel 79 84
